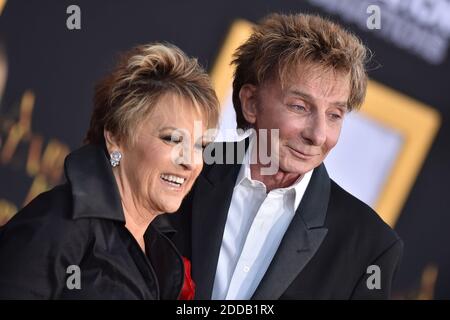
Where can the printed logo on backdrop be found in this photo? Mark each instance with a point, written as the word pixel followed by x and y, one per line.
pixel 420 27
pixel 26 153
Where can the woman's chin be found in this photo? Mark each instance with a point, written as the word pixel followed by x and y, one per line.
pixel 172 206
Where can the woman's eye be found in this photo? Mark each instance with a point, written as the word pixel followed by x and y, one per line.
pixel 200 146
pixel 172 139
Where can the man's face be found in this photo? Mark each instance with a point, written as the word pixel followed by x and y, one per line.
pixel 308 111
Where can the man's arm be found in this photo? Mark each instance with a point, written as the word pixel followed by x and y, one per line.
pixel 377 283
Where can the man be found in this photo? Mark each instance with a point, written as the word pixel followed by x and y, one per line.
pixel 292 234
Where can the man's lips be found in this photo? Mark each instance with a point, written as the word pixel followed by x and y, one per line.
pixel 301 154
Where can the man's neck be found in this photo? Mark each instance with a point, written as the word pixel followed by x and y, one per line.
pixel 278 180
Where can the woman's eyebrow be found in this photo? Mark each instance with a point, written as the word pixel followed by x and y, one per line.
pixel 168 128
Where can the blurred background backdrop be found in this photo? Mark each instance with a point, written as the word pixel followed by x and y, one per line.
pixel 394 154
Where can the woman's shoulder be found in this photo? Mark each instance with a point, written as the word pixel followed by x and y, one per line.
pixel 56 200
pixel 47 218
pixel 54 206
pixel 38 244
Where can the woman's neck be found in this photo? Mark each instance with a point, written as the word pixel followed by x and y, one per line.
pixel 137 217
pixel 136 225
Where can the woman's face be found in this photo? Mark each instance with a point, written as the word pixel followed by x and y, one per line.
pixel 160 168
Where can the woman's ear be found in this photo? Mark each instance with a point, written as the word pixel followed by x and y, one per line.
pixel 248 98
pixel 112 143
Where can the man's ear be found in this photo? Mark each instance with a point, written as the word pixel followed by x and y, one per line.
pixel 112 143
pixel 248 98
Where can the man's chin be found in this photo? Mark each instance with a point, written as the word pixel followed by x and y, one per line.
pixel 296 167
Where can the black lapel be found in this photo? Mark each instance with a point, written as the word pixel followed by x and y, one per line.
pixel 301 241
pixel 211 200
pixel 94 188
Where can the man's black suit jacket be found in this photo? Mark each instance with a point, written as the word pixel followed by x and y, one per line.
pixel 325 252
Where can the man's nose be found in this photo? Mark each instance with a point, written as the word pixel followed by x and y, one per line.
pixel 315 132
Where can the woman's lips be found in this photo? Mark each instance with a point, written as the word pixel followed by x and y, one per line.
pixel 173 185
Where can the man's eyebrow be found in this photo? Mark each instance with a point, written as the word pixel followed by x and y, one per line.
pixel 310 98
pixel 301 94
pixel 342 105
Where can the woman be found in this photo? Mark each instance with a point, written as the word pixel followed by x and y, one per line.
pixel 92 237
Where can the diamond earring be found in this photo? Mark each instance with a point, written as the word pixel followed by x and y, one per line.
pixel 116 156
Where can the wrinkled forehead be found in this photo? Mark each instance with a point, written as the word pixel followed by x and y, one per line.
pixel 176 109
pixel 308 73
pixel 312 78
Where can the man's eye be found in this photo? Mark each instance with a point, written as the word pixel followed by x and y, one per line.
pixel 335 116
pixel 298 107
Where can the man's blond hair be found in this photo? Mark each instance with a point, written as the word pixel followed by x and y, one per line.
pixel 280 43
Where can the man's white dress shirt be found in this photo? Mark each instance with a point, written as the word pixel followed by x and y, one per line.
pixel 255 226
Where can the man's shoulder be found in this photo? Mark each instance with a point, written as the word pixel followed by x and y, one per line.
pixel 354 217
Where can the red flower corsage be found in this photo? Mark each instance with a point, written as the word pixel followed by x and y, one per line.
pixel 188 290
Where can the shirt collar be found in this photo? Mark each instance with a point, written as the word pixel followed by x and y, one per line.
pixel 94 189
pixel 244 177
